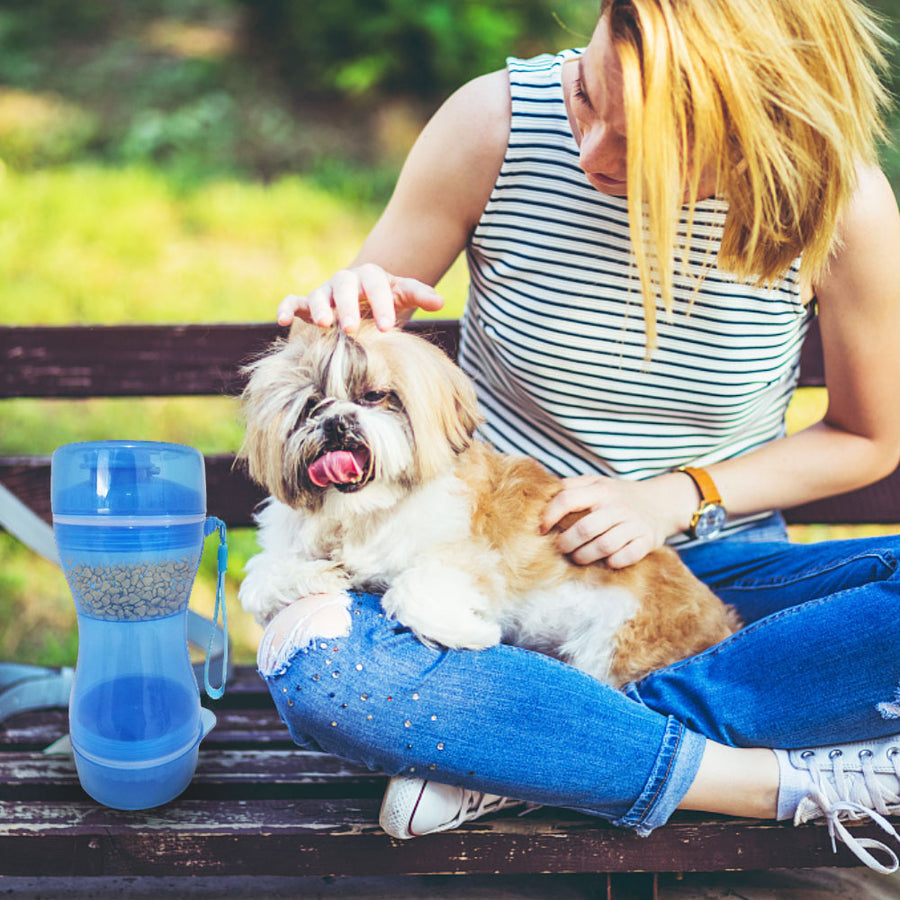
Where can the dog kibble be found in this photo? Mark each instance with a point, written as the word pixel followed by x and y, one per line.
pixel 131 592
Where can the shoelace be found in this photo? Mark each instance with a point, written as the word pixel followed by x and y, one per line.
pixel 478 804
pixel 850 801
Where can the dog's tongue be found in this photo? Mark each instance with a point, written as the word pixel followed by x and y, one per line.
pixel 336 467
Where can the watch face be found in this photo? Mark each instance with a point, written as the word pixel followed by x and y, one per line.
pixel 710 521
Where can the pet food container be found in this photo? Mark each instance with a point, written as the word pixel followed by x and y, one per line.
pixel 130 521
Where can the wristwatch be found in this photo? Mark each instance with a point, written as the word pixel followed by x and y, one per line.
pixel 710 516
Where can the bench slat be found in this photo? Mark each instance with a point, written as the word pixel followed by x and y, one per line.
pixel 242 770
pixel 183 360
pixel 127 360
pixel 339 837
pixel 145 360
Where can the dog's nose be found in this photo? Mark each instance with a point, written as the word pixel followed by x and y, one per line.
pixel 337 428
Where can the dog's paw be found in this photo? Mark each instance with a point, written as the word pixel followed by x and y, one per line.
pixel 273 583
pixel 442 606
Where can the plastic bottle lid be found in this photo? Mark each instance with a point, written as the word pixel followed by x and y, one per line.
pixel 130 479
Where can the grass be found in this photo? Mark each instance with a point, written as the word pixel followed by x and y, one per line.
pixel 145 248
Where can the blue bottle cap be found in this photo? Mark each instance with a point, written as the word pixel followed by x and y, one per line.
pixel 127 478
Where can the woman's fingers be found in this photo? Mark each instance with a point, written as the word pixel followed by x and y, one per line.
pixel 348 294
pixel 601 519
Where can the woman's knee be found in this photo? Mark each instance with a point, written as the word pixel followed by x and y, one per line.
pixel 296 627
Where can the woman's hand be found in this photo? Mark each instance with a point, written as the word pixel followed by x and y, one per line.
pixel 348 293
pixel 620 521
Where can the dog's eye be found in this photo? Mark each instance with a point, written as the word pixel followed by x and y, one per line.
pixel 373 398
pixel 309 408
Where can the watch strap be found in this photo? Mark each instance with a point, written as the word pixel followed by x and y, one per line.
pixel 709 493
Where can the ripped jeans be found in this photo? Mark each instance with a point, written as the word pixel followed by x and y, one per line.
pixel 817 662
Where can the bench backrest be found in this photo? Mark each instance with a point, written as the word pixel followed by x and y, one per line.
pixel 203 360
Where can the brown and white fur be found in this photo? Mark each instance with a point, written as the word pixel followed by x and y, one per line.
pixel 442 525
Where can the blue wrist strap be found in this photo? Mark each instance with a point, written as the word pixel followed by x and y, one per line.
pixel 215 693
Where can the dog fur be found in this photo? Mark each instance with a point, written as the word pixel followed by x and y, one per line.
pixel 366 447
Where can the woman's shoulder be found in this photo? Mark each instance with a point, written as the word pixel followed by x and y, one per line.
pixel 871 218
pixel 864 258
pixel 463 146
pixel 480 108
pixel 873 196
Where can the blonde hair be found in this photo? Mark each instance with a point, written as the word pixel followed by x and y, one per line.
pixel 780 100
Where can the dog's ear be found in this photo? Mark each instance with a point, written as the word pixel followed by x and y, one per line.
pixel 256 412
pixel 438 397
pixel 270 404
pixel 305 332
pixel 460 397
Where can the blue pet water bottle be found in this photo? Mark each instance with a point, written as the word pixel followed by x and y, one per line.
pixel 130 521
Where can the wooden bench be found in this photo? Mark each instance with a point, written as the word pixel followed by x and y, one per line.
pixel 258 805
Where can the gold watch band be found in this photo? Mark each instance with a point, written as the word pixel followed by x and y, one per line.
pixel 709 493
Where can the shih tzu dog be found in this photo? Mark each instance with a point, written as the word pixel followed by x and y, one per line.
pixel 366 447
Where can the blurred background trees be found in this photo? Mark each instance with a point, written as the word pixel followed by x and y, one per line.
pixel 257 88
pixel 335 90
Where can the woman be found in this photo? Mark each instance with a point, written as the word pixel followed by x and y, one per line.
pixel 648 223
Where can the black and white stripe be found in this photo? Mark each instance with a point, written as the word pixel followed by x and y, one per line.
pixel 553 333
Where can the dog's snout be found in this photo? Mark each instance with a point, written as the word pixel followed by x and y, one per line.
pixel 337 428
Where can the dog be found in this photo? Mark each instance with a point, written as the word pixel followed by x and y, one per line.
pixel 366 445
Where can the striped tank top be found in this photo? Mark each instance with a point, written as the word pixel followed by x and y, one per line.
pixel 553 332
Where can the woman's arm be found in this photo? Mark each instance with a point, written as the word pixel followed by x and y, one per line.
pixel 858 440
pixel 440 195
pixel 856 443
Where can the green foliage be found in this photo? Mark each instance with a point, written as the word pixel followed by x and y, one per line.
pixel 425 47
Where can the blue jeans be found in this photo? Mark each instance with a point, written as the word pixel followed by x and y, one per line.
pixel 818 662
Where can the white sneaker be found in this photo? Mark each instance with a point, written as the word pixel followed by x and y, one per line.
pixel 854 781
pixel 413 807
